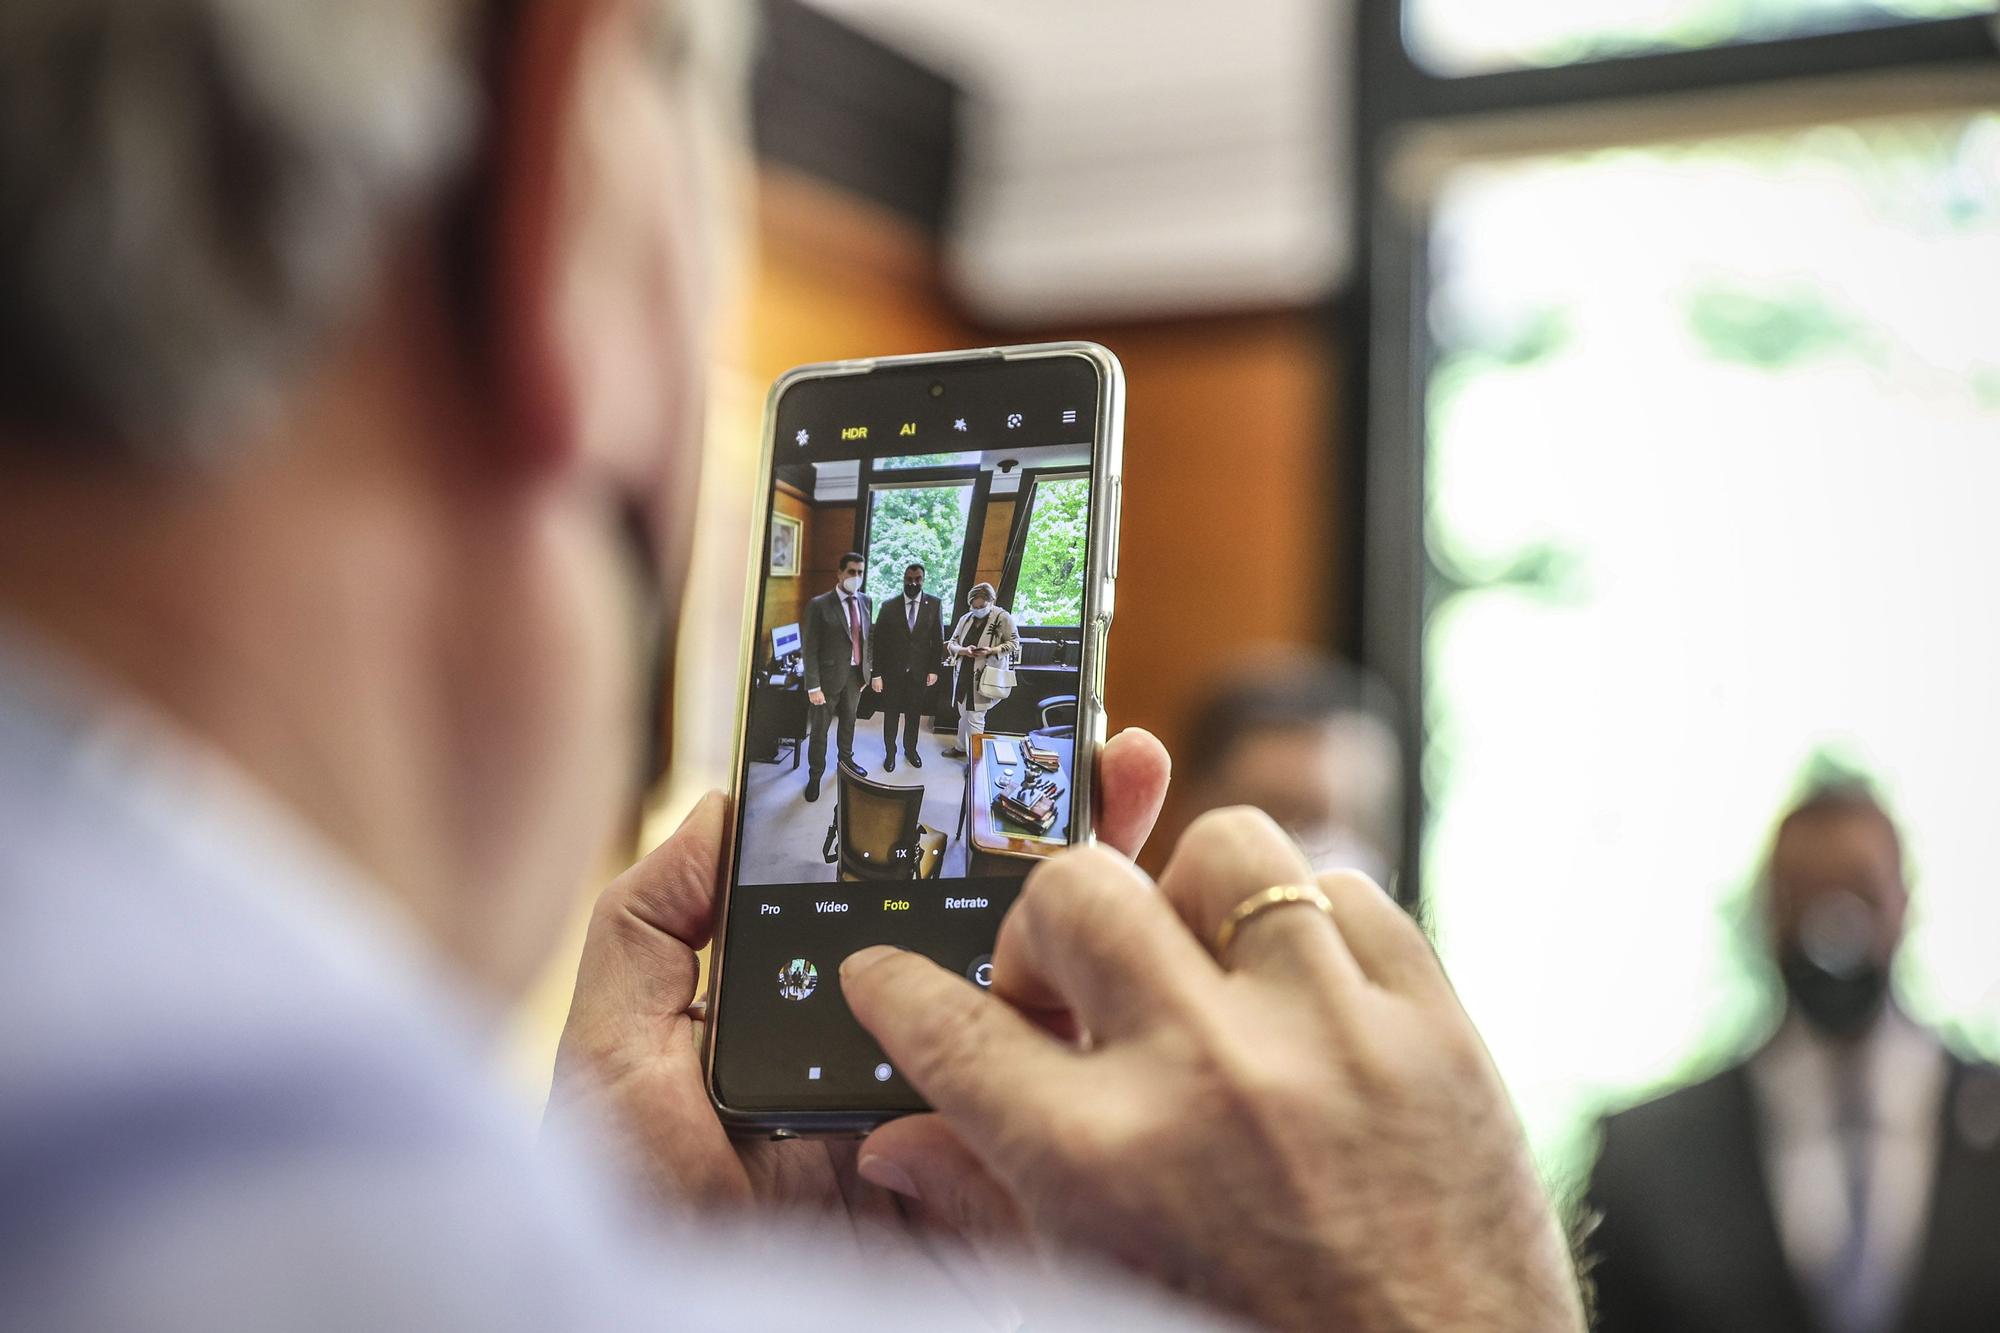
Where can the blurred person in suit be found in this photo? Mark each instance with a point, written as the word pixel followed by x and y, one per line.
pixel 983 648
pixel 1846 1177
pixel 838 642
pixel 909 654
pixel 1311 741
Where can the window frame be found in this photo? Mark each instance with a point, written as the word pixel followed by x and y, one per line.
pixel 1413 126
pixel 872 479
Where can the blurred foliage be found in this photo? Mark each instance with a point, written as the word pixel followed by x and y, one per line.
pixel 1566 32
pixel 1769 332
pixel 1657 582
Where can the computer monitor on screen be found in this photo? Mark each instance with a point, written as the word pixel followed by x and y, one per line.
pixel 784 641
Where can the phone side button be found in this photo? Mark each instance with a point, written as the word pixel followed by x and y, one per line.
pixel 1116 508
pixel 1100 634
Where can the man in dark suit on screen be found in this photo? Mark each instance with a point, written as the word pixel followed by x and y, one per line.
pixel 839 651
pixel 909 653
pixel 1846 1178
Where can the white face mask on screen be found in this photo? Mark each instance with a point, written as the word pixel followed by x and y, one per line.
pixel 981 612
pixel 851 584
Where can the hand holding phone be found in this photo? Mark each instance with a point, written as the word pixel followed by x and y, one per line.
pixel 631 1037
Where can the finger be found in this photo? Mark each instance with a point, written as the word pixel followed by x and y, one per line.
pixel 1389 946
pixel 964 1051
pixel 1090 934
pixel 1133 770
pixel 673 888
pixel 1227 857
pixel 921 1158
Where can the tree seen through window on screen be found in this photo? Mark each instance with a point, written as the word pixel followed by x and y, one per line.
pixel 917 525
pixel 1050 588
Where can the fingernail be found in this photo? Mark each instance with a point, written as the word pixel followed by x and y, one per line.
pixel 861 961
pixel 885 1174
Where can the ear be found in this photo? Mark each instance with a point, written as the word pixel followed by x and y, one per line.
pixel 538 71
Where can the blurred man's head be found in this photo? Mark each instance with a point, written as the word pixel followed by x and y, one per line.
pixel 913 579
pixel 1310 741
pixel 1835 899
pixel 350 402
pixel 848 573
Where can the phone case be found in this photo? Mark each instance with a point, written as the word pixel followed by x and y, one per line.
pixel 1100 580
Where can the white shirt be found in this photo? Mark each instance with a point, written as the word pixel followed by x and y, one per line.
pixel 1795 1082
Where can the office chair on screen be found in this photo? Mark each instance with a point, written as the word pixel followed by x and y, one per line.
pixel 1058 718
pixel 875 834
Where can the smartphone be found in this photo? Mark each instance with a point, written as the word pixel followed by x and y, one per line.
pixel 922 697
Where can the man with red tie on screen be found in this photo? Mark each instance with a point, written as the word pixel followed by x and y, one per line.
pixel 840 657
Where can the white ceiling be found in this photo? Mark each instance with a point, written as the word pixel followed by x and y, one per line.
pixel 839 481
pixel 1133 158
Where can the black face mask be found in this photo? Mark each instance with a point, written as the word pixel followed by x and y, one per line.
pixel 1839 1004
pixel 913 589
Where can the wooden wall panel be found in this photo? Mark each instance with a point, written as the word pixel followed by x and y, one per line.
pixel 785 598
pixel 993 539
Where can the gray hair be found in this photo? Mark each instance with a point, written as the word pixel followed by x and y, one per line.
pixel 195 193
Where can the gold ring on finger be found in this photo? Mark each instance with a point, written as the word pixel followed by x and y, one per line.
pixel 1268 900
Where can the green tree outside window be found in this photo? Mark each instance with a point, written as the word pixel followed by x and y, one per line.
pixel 1050 588
pixel 920 524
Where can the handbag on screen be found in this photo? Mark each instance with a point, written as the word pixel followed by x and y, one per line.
pixel 996 679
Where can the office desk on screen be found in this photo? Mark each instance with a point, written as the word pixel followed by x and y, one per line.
pixel 778 715
pixel 994 845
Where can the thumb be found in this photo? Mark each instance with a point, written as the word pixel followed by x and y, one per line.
pixel 639 957
pixel 673 887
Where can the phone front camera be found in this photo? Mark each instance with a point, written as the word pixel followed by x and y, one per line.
pixel 937 390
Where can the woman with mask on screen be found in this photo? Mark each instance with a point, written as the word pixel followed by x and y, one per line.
pixel 983 650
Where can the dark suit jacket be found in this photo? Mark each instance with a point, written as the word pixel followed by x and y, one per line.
pixel 1689 1241
pixel 899 648
pixel 828 650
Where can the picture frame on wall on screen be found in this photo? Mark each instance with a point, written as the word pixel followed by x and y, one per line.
pixel 785 533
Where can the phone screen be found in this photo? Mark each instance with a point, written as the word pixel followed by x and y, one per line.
pixel 917 699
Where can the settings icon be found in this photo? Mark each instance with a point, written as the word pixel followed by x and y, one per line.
pixel 804 438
